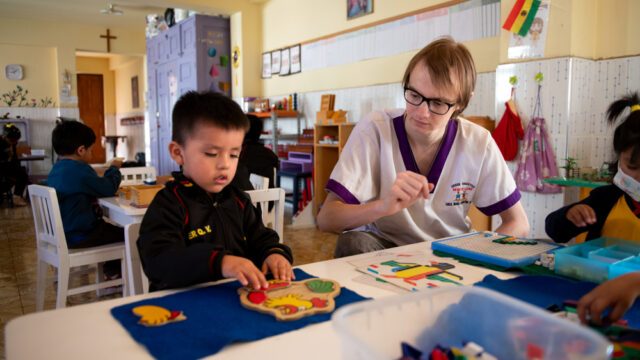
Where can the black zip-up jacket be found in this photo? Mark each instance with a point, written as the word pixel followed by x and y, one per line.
pixel 186 232
pixel 601 200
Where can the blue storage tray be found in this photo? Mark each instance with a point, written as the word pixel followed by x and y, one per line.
pixel 598 260
pixel 480 246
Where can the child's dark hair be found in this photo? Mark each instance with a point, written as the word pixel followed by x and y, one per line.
pixel 209 107
pixel 627 134
pixel 68 136
pixel 255 129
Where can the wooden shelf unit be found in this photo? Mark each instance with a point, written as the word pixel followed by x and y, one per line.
pixel 326 156
pixel 274 115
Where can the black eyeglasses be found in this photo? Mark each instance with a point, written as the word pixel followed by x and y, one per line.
pixel 436 106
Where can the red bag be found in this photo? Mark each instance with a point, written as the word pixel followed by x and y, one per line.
pixel 508 132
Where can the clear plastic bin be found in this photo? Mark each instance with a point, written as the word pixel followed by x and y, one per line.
pixel 503 326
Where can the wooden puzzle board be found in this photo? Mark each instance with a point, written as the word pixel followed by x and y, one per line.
pixel 292 300
pixel 480 246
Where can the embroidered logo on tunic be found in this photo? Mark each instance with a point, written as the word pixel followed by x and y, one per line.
pixel 461 192
pixel 199 232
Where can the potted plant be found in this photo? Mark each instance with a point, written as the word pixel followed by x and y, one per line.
pixel 570 167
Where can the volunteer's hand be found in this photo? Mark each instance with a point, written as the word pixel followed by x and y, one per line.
pixel 406 190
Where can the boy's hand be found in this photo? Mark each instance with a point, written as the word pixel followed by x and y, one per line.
pixel 581 215
pixel 279 267
pixel 117 162
pixel 617 294
pixel 243 270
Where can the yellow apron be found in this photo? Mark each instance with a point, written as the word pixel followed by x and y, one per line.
pixel 621 222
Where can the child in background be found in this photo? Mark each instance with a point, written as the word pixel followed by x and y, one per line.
pixel 257 158
pixel 16 174
pixel 78 186
pixel 612 210
pixel 200 227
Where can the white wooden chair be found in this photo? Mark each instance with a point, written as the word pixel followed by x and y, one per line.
pixel 138 281
pixel 137 175
pixel 52 249
pixel 259 182
pixel 273 219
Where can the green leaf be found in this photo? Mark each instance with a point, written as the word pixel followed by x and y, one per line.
pixel 320 286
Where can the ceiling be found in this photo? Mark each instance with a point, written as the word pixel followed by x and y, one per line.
pixel 88 11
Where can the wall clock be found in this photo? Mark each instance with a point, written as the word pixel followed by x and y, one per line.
pixel 14 72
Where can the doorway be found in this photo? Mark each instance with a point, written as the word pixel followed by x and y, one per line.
pixel 91 106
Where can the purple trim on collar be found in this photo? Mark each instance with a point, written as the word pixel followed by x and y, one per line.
pixel 502 205
pixel 441 157
pixel 403 142
pixel 342 192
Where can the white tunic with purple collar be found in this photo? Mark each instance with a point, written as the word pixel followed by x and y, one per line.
pixel 468 168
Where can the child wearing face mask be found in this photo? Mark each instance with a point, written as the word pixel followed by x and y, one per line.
pixel 613 210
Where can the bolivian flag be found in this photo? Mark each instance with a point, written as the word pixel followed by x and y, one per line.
pixel 521 16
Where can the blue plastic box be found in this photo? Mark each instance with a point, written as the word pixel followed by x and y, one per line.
pixel 598 260
pixel 505 327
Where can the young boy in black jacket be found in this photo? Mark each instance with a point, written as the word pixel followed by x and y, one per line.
pixel 201 228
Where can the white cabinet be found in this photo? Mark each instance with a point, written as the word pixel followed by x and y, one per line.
pixel 192 55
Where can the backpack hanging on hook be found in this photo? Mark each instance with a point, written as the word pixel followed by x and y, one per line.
pixel 509 129
pixel 537 160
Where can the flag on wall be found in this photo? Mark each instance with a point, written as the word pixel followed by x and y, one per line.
pixel 521 16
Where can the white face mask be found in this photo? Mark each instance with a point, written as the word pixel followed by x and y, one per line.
pixel 627 184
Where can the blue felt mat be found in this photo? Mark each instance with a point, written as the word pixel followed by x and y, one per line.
pixel 215 319
pixel 545 291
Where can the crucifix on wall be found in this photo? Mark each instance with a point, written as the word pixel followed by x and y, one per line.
pixel 108 37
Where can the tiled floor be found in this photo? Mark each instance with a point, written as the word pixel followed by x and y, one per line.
pixel 18 263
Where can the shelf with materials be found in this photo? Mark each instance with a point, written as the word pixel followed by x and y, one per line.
pixel 274 115
pixel 326 156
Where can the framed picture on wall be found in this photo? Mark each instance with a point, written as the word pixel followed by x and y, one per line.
pixel 294 55
pixel 135 99
pixel 357 8
pixel 266 65
pixel 275 62
pixel 284 62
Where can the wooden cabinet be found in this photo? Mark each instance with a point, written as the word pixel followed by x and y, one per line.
pixel 194 54
pixel 326 157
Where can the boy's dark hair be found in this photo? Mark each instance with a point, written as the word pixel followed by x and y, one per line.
pixel 627 134
pixel 209 107
pixel 255 129
pixel 68 136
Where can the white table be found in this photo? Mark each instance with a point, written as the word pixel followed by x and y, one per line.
pixel 121 213
pixel 89 331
